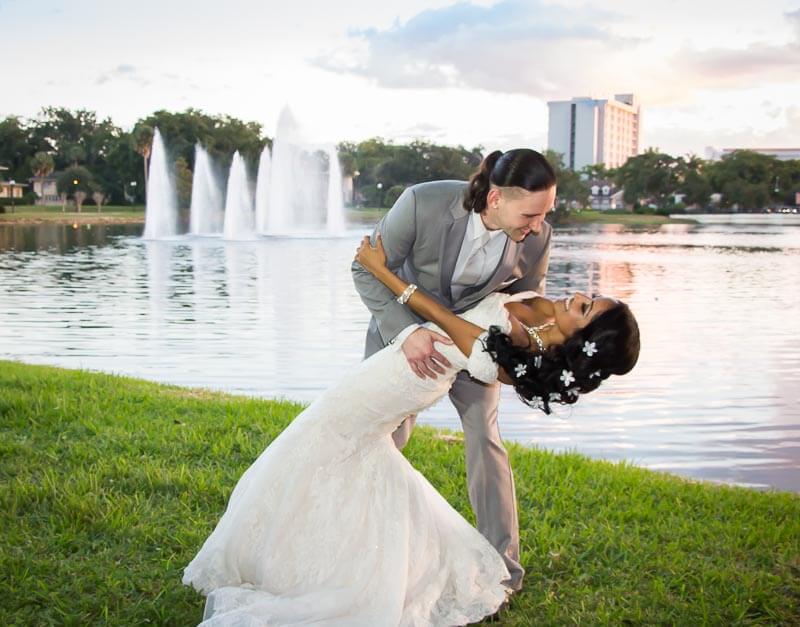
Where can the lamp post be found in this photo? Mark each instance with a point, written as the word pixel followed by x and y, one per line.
pixel 11 184
pixel 356 173
pixel 75 182
pixel 380 194
pixel 133 191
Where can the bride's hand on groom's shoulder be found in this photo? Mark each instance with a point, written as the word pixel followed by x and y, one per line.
pixel 373 258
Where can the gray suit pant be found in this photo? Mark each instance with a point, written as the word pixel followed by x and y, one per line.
pixel 489 476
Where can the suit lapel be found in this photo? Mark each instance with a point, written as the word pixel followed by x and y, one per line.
pixel 452 238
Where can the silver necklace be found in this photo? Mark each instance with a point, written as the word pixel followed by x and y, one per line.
pixel 533 332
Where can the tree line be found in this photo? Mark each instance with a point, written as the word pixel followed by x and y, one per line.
pixel 658 182
pixel 95 158
pixel 98 159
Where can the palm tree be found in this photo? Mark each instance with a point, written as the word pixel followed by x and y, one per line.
pixel 143 144
pixel 98 195
pixel 42 165
pixel 79 197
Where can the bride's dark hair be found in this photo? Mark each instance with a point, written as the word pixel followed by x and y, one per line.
pixel 521 167
pixel 539 378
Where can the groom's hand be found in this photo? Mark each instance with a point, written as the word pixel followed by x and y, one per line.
pixel 421 354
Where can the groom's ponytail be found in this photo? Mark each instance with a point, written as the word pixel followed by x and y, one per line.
pixel 479 183
pixel 521 167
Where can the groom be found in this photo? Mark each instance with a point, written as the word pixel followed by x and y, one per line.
pixel 458 257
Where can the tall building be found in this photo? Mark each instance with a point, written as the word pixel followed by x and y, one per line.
pixel 588 131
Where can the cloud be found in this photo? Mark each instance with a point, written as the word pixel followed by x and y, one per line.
pixel 421 129
pixel 757 64
pixel 675 139
pixel 133 74
pixel 514 46
pixel 550 51
pixel 124 71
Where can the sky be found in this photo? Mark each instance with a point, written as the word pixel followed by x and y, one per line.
pixel 722 73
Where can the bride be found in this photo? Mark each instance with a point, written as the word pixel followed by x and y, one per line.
pixel 332 526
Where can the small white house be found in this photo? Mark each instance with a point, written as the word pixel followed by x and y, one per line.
pixel 45 189
pixel 605 195
pixel 10 189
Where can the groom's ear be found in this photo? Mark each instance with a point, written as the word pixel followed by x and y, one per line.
pixel 492 196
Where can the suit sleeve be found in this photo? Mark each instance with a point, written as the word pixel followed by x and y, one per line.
pixel 536 277
pixel 398 232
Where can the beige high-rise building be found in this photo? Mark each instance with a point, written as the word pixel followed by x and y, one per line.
pixel 589 131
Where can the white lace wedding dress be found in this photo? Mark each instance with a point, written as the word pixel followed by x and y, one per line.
pixel 332 526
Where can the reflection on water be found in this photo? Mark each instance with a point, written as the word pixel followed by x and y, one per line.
pixel 715 394
pixel 61 238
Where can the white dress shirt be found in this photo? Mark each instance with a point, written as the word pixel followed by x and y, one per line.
pixel 478 258
pixel 480 253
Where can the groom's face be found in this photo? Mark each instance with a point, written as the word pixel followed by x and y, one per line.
pixel 519 212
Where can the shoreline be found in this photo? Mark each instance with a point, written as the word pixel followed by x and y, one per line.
pixel 590 216
pixel 27 215
pixel 78 218
pixel 358 217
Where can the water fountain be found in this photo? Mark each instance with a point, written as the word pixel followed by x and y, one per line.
pixel 335 222
pixel 305 190
pixel 262 190
pixel 298 191
pixel 238 202
pixel 161 211
pixel 206 213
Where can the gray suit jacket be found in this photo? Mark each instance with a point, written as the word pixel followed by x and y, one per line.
pixel 422 235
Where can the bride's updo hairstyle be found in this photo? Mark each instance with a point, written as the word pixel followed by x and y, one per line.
pixel 608 345
pixel 521 167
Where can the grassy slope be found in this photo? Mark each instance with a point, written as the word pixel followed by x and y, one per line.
pixel 109 485
pixel 628 219
pixel 33 215
pixel 30 214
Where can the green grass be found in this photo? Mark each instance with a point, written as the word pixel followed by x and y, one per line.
pixel 372 214
pixel 613 217
pixel 40 214
pixel 363 215
pixel 366 215
pixel 29 214
pixel 109 485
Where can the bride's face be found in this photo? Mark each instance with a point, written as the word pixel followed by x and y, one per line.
pixel 575 312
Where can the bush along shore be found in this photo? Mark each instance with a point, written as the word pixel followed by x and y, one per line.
pixel 109 485
pixel 33 215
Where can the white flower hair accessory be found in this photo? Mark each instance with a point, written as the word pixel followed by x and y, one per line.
pixel 537 361
pixel 520 370
pixel 567 377
pixel 590 348
pixel 596 373
pixel 555 396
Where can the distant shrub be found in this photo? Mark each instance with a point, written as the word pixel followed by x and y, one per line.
pixel 392 194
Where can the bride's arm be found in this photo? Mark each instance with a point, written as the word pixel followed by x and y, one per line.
pixel 462 332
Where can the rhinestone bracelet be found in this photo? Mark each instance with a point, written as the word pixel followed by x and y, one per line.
pixel 403 298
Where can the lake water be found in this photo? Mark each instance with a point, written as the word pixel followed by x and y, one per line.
pixel 715 394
